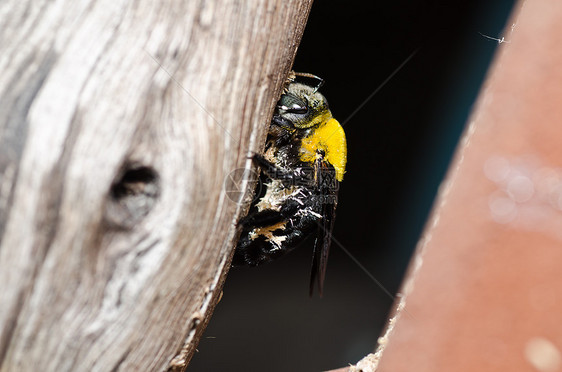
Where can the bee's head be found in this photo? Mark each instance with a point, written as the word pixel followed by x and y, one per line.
pixel 302 107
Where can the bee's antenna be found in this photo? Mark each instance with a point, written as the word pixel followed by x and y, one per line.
pixel 308 75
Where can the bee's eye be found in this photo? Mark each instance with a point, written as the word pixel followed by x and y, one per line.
pixel 292 104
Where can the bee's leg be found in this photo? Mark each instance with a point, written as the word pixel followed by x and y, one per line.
pixel 271 170
pixel 257 247
pixel 260 219
pixel 268 217
pixel 254 250
pixel 274 172
pixel 260 244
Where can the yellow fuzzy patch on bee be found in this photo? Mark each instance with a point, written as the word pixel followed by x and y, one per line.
pixel 330 138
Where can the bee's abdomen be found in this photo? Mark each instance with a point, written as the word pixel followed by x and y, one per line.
pixel 259 245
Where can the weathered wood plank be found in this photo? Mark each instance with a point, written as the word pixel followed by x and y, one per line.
pixel 119 123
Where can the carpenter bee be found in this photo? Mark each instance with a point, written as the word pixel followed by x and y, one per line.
pixel 302 165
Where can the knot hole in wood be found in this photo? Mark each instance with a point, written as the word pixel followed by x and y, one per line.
pixel 132 196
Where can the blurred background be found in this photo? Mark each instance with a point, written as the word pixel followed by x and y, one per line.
pixel 401 137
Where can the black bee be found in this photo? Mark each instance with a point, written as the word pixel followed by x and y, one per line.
pixel 302 165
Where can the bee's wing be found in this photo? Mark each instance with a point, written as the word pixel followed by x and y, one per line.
pixel 327 187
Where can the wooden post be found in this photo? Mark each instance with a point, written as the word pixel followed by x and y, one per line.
pixel 120 122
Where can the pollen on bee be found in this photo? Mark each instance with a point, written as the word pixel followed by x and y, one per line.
pixel 267 233
pixel 329 137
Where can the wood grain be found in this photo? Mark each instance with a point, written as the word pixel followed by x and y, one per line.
pixel 119 123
